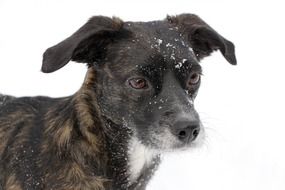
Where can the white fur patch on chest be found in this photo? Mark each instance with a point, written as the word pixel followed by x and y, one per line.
pixel 139 156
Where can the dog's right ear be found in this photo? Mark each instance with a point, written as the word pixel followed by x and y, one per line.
pixel 87 45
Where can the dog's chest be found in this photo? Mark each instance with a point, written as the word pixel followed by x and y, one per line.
pixel 139 158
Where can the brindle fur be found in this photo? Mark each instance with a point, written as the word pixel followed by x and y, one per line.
pixel 76 142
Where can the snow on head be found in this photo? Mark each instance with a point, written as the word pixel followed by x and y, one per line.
pixel 178 65
pixel 159 41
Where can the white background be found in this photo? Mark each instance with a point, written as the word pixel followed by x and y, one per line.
pixel 242 106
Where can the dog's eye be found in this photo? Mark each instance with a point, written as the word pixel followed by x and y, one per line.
pixel 138 83
pixel 194 78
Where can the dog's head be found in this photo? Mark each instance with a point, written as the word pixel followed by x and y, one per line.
pixel 147 73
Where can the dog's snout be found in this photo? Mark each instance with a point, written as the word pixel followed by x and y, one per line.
pixel 186 130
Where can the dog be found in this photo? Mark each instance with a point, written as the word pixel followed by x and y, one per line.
pixel 136 103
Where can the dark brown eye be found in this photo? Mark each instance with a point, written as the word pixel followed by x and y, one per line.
pixel 194 79
pixel 138 83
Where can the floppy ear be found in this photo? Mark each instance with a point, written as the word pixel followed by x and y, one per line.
pixel 203 38
pixel 87 45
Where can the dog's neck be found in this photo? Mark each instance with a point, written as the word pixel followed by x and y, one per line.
pixel 131 164
pixel 109 149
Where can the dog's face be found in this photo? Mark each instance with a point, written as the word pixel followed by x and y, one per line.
pixel 150 85
pixel 147 74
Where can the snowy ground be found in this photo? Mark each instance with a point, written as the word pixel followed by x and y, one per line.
pixel 242 107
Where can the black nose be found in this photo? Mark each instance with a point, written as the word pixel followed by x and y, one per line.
pixel 186 131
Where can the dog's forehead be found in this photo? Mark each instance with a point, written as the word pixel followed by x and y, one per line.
pixel 162 37
pixel 153 42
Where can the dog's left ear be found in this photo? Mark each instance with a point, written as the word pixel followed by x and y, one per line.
pixel 87 45
pixel 203 38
